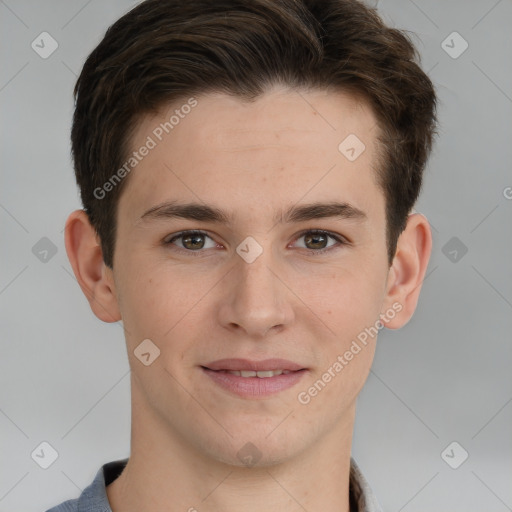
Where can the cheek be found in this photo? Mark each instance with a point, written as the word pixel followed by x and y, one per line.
pixel 346 300
pixel 142 299
pixel 349 308
pixel 163 302
pixel 348 305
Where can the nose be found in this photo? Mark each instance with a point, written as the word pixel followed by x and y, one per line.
pixel 256 299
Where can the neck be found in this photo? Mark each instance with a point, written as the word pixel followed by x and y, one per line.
pixel 165 472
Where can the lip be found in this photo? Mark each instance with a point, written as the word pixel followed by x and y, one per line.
pixel 247 364
pixel 254 387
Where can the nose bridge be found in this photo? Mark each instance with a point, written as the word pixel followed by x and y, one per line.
pixel 258 277
pixel 259 300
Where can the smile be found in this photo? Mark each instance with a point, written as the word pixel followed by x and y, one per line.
pixel 263 374
pixel 253 379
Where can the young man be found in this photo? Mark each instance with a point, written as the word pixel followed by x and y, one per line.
pixel 248 172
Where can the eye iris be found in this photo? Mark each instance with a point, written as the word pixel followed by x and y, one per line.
pixel 196 241
pixel 314 238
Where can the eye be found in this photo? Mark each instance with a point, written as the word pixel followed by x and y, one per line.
pixel 191 241
pixel 317 241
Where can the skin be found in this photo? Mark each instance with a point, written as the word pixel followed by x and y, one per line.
pixel 252 160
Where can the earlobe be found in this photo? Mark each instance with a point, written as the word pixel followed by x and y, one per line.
pixel 407 271
pixel 86 258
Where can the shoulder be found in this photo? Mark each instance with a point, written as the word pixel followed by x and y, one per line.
pixel 66 506
pixel 94 497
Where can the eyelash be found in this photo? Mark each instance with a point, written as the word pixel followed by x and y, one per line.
pixel 339 239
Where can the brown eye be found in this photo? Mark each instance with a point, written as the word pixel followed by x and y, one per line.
pixel 317 241
pixel 191 241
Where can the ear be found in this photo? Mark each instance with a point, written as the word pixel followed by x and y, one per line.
pixel 86 258
pixel 407 271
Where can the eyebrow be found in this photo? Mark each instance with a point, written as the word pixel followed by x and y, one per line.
pixel 207 213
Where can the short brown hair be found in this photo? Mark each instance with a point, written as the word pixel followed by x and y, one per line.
pixel 164 50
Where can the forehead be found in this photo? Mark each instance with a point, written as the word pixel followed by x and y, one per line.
pixel 285 144
pixel 279 117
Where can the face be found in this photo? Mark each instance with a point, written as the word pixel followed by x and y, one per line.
pixel 255 277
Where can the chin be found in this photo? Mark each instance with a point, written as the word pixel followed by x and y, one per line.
pixel 256 449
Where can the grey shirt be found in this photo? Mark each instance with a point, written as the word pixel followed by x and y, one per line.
pixel 94 497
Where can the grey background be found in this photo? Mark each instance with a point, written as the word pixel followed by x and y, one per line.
pixel 445 377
